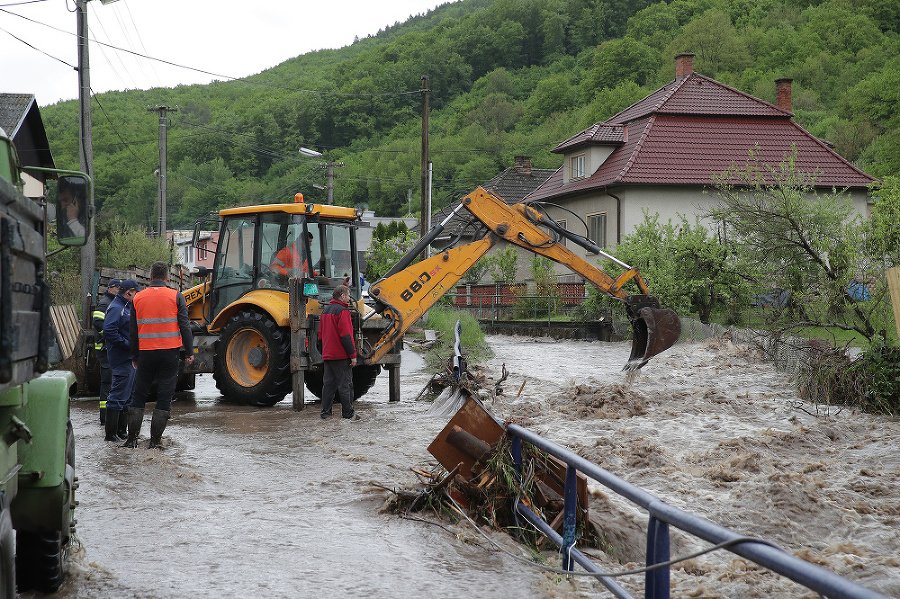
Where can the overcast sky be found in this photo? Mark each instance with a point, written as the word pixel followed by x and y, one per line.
pixel 224 37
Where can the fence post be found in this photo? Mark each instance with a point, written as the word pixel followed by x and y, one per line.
pixel 516 450
pixel 569 519
pixel 893 279
pixel 656 582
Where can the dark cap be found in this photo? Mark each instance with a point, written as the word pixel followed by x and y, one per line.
pixel 114 283
pixel 129 284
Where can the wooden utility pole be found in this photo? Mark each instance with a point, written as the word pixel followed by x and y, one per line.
pixel 85 143
pixel 425 222
pixel 163 164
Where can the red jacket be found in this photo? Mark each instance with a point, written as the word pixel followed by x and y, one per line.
pixel 336 332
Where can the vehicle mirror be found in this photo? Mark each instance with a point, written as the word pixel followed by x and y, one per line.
pixel 73 214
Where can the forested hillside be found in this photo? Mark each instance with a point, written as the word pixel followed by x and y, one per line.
pixel 507 77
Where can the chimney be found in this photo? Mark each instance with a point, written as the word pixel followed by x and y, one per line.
pixel 783 93
pixel 523 165
pixel 684 65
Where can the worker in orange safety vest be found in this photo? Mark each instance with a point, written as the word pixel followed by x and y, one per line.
pixel 159 329
pixel 290 258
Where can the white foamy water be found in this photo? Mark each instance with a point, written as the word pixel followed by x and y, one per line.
pixel 712 429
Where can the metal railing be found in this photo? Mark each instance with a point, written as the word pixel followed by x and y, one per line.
pixel 662 516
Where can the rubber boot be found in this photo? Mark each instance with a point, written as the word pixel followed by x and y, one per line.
pixel 112 425
pixel 123 424
pixel 135 418
pixel 157 426
pixel 103 412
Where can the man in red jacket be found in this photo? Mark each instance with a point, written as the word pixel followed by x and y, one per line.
pixel 339 353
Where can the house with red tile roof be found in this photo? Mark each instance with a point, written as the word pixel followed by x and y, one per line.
pixel 661 154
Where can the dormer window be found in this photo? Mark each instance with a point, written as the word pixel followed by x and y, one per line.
pixel 576 164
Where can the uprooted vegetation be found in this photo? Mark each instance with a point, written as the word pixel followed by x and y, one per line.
pixel 490 496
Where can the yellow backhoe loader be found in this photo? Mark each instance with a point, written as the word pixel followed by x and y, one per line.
pixel 256 316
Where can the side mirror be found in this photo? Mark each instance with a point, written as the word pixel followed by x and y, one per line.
pixel 201 272
pixel 73 217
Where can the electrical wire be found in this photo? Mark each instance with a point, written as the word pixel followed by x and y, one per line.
pixel 217 75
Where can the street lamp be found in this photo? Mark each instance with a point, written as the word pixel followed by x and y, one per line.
pixel 329 170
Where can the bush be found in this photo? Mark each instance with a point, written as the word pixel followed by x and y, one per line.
pixel 871 382
pixel 542 300
pixel 384 253
pixel 879 367
pixel 443 320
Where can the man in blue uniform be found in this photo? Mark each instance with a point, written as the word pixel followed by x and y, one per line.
pixel 112 289
pixel 118 351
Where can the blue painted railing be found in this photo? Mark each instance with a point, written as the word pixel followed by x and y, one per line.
pixel 662 516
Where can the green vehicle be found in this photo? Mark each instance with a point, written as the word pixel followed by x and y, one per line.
pixel 37 445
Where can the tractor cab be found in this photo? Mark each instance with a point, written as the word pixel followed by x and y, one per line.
pixel 260 248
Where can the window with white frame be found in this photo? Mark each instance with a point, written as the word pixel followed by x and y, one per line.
pixel 576 164
pixel 597 228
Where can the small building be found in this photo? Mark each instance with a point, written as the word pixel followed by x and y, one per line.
pixel 20 118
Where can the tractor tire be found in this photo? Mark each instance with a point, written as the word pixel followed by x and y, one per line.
pixel 42 558
pixel 363 379
pixel 253 366
pixel 40 561
pixel 7 552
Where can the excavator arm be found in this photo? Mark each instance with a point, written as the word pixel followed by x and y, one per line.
pixel 408 290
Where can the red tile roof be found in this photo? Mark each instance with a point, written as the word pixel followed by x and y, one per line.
pixel 692 129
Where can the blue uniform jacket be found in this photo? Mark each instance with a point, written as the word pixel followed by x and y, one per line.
pixel 115 332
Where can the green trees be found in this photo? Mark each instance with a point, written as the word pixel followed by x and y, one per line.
pixel 689 269
pixel 796 238
pixel 506 77
pixel 387 251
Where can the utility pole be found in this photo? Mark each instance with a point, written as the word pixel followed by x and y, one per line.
pixel 425 223
pixel 163 163
pixel 85 142
pixel 329 171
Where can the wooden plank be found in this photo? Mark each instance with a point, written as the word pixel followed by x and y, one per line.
pixel 893 279
pixel 65 321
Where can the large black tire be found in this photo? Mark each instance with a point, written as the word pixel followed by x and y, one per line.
pixel 7 552
pixel 42 558
pixel 252 364
pixel 363 379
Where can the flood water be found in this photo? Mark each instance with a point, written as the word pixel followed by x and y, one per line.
pixel 269 502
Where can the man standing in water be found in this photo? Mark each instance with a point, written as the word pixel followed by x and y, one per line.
pixel 339 353
pixel 160 328
pixel 116 337
pixel 97 320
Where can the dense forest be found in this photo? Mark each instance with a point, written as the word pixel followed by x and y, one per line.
pixel 506 77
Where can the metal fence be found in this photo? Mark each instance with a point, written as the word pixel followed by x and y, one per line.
pixel 662 516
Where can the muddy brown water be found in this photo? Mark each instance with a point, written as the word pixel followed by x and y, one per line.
pixel 277 503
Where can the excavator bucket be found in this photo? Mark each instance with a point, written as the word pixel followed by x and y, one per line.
pixel 654 329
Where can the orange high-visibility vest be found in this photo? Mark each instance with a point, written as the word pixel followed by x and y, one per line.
pixel 156 309
pixel 289 258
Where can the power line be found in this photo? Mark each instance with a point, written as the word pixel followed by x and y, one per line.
pixel 34 47
pixel 218 75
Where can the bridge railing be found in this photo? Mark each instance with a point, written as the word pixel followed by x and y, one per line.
pixel 662 517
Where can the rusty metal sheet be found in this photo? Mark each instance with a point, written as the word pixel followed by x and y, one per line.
pixel 473 418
